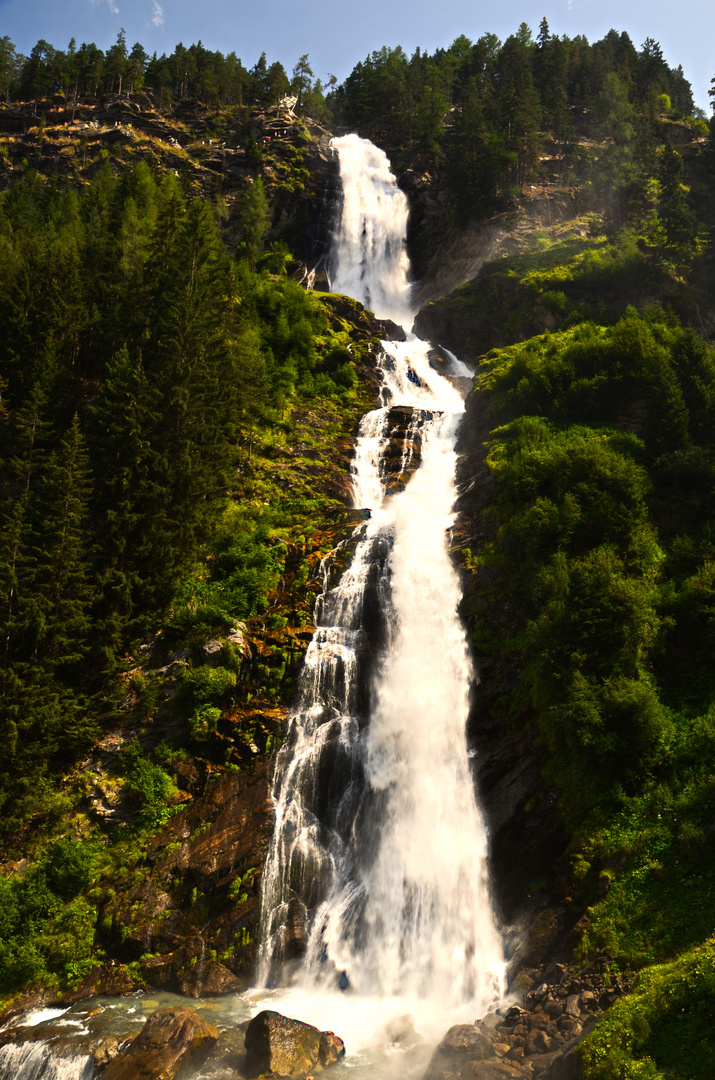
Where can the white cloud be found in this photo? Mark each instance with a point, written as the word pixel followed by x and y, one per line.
pixel 110 4
pixel 158 17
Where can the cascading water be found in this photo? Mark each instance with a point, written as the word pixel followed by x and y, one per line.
pixel 376 878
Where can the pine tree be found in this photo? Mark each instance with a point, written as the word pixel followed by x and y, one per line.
pixel 167 423
pixel 59 591
pixel 254 221
pixel 477 156
pixel 46 586
pixel 676 217
pixel 9 67
pixel 124 420
pixel 301 82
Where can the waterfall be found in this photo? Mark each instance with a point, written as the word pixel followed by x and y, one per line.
pixel 38 1061
pixel 376 876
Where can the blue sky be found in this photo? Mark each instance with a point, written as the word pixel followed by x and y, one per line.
pixel 338 33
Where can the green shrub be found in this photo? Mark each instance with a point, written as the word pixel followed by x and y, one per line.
pixel 151 786
pixel 204 685
pixel 663 1030
pixel 203 721
pixel 70 866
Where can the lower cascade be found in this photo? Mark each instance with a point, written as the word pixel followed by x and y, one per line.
pixel 376 878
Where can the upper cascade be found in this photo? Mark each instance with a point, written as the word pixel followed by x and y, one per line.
pixel 370 262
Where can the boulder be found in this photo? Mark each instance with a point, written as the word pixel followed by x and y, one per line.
pixel 237 637
pixel 391 331
pixel 211 648
pixel 462 1045
pixel 170 1039
pixel 288 1048
pixel 400 1028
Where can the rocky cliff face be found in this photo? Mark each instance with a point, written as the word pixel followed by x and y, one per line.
pixel 211 152
pixel 190 916
pixel 446 254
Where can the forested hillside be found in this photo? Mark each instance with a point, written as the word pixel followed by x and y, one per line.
pixel 177 417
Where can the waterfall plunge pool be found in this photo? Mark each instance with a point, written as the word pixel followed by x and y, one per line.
pixel 60 1042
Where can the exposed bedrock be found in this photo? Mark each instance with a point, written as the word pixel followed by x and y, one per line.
pixel 172 1039
pixel 403 453
pixel 199 894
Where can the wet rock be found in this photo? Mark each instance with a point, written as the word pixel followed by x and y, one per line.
pixel 514 1014
pixel 462 1045
pixel 215 846
pixel 107 1050
pixel 288 1048
pixel 391 331
pixel 403 453
pixel 401 1028
pixel 170 1039
pixel 521 983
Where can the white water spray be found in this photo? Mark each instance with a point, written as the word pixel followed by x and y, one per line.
pixel 378 860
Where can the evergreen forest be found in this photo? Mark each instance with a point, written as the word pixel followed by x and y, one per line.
pixel 177 413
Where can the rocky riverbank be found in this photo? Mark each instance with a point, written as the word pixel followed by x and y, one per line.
pixel 536 1038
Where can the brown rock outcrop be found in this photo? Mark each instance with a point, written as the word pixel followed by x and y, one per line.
pixel 195 908
pixel 403 453
pixel 170 1039
pixel 540 1037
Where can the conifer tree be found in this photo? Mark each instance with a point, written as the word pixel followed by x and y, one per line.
pixel 59 591
pixel 301 82
pixel 166 422
pixel 254 221
pixel 676 217
pixel 477 156
pixel 124 418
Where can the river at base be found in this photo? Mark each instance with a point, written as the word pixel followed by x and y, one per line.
pixel 384 1039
